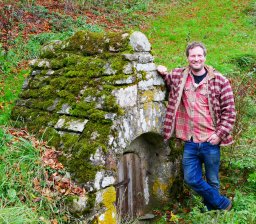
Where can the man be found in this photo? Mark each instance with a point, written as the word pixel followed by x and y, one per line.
pixel 201 111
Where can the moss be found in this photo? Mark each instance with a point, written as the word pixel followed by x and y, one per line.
pixel 40 103
pixel 69 201
pixel 57 63
pixel 72 59
pixel 69 141
pixel 66 95
pixel 103 131
pixel 39 81
pixel 176 147
pixel 110 215
pixel 110 104
pixel 97 115
pixel 147 95
pixel 86 42
pixel 74 73
pixel 29 93
pixel 47 92
pixel 112 79
pixel 82 109
pixel 59 82
pixel 51 136
pixel 74 86
pixel 118 42
pixel 20 113
pixel 117 63
pixel 160 188
pixel 82 170
pixel 79 164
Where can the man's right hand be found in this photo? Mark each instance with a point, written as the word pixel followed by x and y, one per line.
pixel 162 70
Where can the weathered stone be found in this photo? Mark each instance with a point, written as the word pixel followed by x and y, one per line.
pixel 108 69
pixel 94 135
pixel 50 72
pixel 129 80
pixel 108 181
pixel 110 116
pixel 145 58
pixel 76 125
pixel 98 158
pixel 157 80
pixel 25 84
pixel 146 67
pixel 145 85
pixel 35 72
pixel 139 42
pixel 65 108
pixel 50 49
pixel 126 97
pixel 159 96
pixel 78 204
pixel 53 107
pixel 141 57
pixel 128 69
pixel 43 63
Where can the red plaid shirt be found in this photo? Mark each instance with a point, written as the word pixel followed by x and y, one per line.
pixel 220 99
pixel 193 118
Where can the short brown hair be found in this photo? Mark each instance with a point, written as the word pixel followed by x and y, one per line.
pixel 193 45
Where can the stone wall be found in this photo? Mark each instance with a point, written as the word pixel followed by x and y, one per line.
pixel 96 97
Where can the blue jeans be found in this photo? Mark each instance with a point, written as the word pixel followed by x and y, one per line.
pixel 195 154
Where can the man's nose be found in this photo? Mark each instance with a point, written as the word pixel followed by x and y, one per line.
pixel 196 58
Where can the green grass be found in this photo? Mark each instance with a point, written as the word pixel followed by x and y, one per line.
pixel 20 202
pixel 224 27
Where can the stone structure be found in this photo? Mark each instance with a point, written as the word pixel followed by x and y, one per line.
pixel 99 99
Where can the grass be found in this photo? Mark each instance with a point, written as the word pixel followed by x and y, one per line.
pixel 224 27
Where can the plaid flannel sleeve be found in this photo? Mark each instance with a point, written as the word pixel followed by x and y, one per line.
pixel 228 113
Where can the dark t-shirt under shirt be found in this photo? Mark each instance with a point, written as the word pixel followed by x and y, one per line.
pixel 199 78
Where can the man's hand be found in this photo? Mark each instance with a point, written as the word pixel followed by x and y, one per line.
pixel 162 69
pixel 214 139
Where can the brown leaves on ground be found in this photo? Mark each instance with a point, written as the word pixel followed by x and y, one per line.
pixel 56 180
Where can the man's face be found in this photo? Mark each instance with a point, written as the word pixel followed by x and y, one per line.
pixel 196 59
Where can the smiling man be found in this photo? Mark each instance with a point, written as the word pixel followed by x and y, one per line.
pixel 201 112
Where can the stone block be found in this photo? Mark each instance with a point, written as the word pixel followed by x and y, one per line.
pixel 70 124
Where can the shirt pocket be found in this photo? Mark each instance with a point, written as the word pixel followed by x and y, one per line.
pixel 186 92
pixel 203 97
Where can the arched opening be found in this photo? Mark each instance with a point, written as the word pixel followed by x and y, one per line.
pixel 140 168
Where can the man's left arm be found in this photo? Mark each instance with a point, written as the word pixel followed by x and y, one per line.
pixel 228 113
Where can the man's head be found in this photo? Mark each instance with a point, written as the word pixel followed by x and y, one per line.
pixel 196 55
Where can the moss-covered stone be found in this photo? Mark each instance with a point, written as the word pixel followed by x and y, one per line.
pixel 176 147
pixel 51 136
pixel 110 214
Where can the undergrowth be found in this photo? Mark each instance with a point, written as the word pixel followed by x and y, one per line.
pixel 20 164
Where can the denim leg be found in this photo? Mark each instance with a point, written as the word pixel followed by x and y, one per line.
pixel 193 156
pixel 211 157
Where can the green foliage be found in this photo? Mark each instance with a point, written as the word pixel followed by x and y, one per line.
pixel 245 62
pixel 19 166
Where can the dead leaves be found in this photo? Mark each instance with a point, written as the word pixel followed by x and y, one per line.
pixel 56 181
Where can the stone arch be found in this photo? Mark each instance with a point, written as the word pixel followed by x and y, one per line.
pixel 143 175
